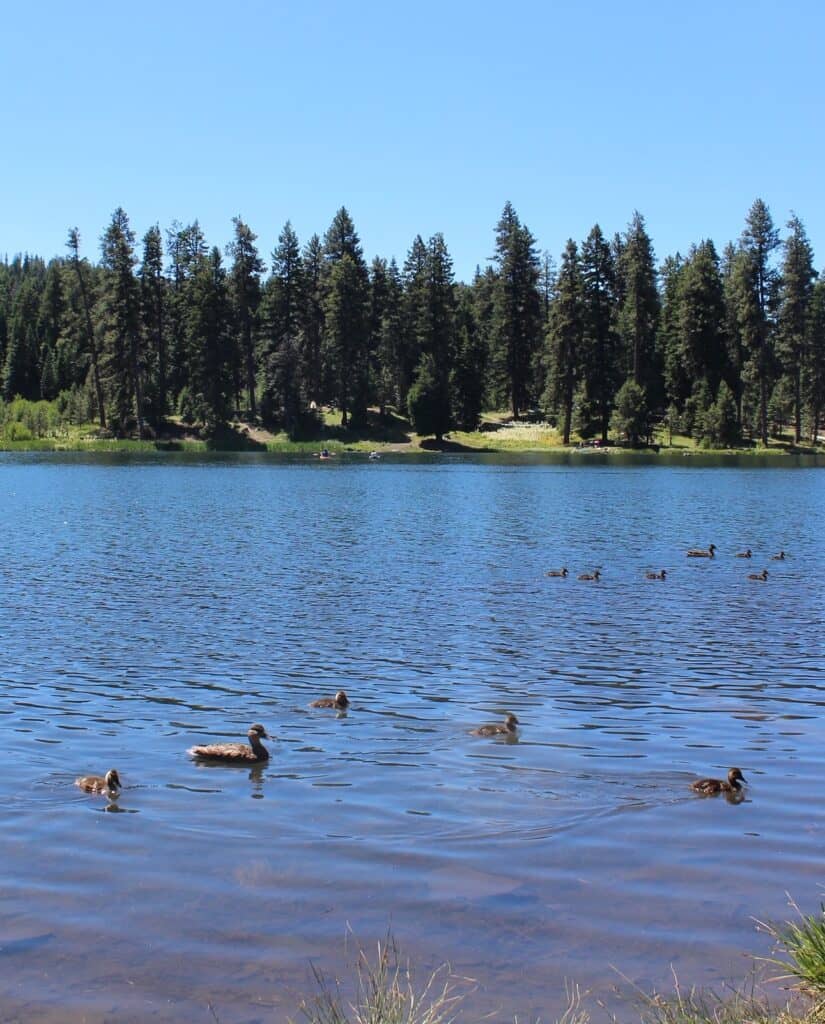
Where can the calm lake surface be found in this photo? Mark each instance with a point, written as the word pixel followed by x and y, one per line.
pixel 148 604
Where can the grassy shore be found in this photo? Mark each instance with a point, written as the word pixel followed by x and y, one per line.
pixel 384 989
pixel 390 434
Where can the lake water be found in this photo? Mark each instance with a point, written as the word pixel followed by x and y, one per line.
pixel 147 604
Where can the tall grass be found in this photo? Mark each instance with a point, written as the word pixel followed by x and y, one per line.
pixel 386 993
pixel 803 941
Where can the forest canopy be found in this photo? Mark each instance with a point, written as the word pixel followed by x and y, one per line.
pixel 722 346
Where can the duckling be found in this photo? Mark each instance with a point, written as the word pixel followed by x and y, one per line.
pixel 237 753
pixel 508 728
pixel 710 787
pixel 702 552
pixel 778 558
pixel 744 554
pixel 340 702
pixel 556 572
pixel 762 576
pixel 656 575
pixel 590 575
pixel 108 784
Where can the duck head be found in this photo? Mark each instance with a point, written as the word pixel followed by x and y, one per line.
pixel 112 780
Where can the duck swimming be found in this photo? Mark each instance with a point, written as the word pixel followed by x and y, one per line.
pixel 744 554
pixel 108 784
pixel 702 552
pixel 656 575
pixel 340 701
pixel 758 575
pixel 778 558
pixel 236 753
pixel 710 787
pixel 556 572
pixel 507 728
pixel 590 575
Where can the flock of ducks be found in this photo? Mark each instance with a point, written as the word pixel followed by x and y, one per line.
pixel 708 552
pixel 109 785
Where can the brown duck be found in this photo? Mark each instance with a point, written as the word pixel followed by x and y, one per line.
pixel 762 576
pixel 108 783
pixel 340 702
pixel 744 554
pixel 710 787
pixel 508 727
pixel 590 575
pixel 707 552
pixel 656 575
pixel 556 572
pixel 236 753
pixel 778 558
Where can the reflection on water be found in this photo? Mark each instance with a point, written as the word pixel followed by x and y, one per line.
pixel 149 605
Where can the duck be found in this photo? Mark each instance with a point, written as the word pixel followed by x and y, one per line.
pixel 710 787
pixel 778 558
pixel 590 575
pixel 556 572
pixel 508 727
pixel 236 753
pixel 762 576
pixel 744 554
pixel 108 783
pixel 340 702
pixel 656 575
pixel 702 552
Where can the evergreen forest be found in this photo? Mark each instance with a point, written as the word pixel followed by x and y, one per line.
pixel 726 347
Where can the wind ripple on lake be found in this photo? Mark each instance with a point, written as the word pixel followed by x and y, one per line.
pixel 151 604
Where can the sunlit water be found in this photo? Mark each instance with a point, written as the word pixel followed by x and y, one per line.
pixel 149 604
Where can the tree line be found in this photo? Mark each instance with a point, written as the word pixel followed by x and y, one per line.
pixel 720 347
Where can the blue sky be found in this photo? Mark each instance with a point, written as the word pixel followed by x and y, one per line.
pixel 419 118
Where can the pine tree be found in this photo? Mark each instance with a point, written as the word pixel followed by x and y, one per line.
pixel 312 320
pixel 470 364
pixel 21 369
pixel 346 296
pixel 813 378
pixel 565 338
pixel 517 320
pixel 153 303
pixel 282 398
pixel 756 285
pixel 87 300
pixel 600 343
pixel 209 347
pixel 119 317
pixel 639 305
pixel 414 315
pixel 796 289
pixel 245 296
pixel 386 296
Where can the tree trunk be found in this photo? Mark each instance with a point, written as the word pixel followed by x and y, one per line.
pixel 797 425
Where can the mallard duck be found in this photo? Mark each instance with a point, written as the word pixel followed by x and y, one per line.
pixel 656 575
pixel 238 753
pixel 702 552
pixel 709 787
pixel 762 576
pixel 340 701
pixel 108 784
pixel 778 558
pixel 744 554
pixel 590 575
pixel 556 572
pixel 506 728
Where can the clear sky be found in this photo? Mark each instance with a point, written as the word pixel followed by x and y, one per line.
pixel 418 117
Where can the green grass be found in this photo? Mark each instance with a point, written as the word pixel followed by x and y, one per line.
pixel 803 942
pixel 386 993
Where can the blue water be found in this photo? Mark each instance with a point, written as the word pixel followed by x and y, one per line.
pixel 147 604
